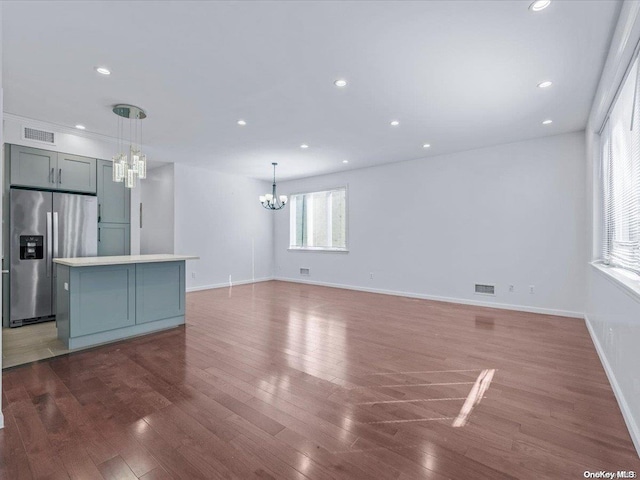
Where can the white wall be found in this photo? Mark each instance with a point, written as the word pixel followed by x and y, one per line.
pixel 218 217
pixel 612 314
pixel 510 214
pixel 157 197
pixel 613 318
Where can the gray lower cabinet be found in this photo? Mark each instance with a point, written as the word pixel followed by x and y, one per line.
pixel 113 239
pixel 33 167
pixel 159 291
pixel 103 303
pixel 106 300
pixel 114 199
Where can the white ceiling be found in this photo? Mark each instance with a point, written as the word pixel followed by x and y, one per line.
pixel 456 74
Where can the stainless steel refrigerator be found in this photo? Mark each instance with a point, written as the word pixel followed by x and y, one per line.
pixel 44 226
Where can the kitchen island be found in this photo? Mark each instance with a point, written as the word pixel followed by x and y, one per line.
pixel 103 299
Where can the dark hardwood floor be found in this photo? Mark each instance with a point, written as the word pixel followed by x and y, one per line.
pixel 288 381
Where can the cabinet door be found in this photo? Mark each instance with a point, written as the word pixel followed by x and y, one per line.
pixel 159 291
pixel 32 167
pixel 113 197
pixel 113 239
pixel 101 299
pixel 76 174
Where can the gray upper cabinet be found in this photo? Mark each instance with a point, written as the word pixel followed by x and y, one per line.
pixel 76 173
pixel 113 198
pixel 32 167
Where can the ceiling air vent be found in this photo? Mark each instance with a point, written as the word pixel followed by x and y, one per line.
pixel 36 135
pixel 485 289
pixel 304 271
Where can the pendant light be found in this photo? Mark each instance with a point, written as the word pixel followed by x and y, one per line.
pixel 129 164
pixel 271 201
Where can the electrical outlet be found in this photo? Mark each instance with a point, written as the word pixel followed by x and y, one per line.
pixel 371 276
pixel 193 275
pixel 532 289
pixel 511 288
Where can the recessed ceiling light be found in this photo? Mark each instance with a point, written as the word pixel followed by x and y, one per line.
pixel 80 127
pixel 395 123
pixel 242 123
pixel 547 122
pixel 340 83
pixel 426 145
pixel 545 84
pixel 539 5
pixel 304 145
pixel 345 161
pixel 103 70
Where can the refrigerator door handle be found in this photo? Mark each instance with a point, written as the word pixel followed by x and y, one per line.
pixel 55 234
pixel 49 245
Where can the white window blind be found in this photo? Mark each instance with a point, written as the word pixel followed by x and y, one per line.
pixel 621 178
pixel 319 220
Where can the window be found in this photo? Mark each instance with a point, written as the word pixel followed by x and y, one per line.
pixel 621 178
pixel 319 220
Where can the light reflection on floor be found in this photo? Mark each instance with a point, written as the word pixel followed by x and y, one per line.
pixel 307 333
pixel 475 395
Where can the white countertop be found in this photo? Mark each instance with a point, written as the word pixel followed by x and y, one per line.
pixel 121 259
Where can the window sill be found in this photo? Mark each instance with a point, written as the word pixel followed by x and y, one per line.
pixel 318 250
pixel 627 281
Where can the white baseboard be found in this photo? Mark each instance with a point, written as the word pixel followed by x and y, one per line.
pixel 437 298
pixel 226 284
pixel 632 425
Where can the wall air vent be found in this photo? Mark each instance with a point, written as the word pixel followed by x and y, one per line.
pixel 36 135
pixel 304 271
pixel 482 289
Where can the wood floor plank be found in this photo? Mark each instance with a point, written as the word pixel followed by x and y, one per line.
pixel 280 380
pixel 116 469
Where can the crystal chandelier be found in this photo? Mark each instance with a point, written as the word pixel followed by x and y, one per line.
pixel 272 201
pixel 130 163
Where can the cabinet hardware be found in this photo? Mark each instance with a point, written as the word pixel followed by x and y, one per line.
pixel 99 213
pixel 52 177
pixel 60 176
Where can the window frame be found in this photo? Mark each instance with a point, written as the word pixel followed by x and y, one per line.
pixel 626 280
pixel 344 187
pixel 603 243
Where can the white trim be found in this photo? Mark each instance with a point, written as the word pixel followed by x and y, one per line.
pixel 632 425
pixel 624 281
pixel 226 284
pixel 437 298
pixel 318 249
pixel 1 420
